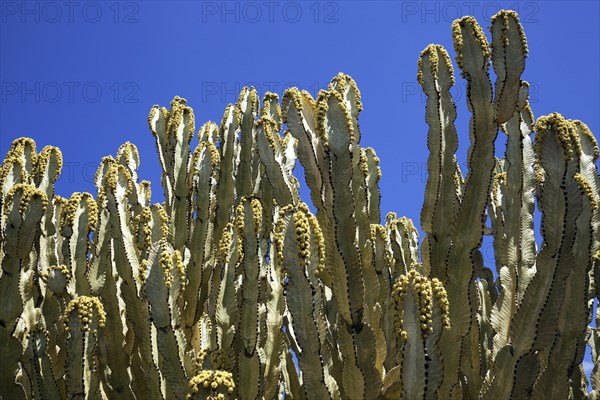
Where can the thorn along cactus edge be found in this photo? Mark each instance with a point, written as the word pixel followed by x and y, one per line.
pixel 233 289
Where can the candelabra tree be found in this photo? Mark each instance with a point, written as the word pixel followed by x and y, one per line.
pixel 233 287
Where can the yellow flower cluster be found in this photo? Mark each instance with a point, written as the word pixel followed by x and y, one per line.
pixel 111 179
pixel 44 159
pixel 214 381
pixel 588 190
pixel 239 217
pixel 166 262
pixel 225 242
pixel 318 234
pixel 143 270
pixel 506 15
pixel 218 358
pixel 423 291
pixel 231 112
pixel 563 129
pixel 28 192
pixel 442 297
pixel 323 107
pixel 302 235
pixel 272 109
pixel 70 212
pixel 12 165
pixel 585 131
pixel 342 83
pixel 476 30
pixel 180 267
pixel 179 109
pixel 23 148
pixel 434 62
pixel 128 152
pixel 85 307
pixel 279 232
pixel 62 269
pixel 164 222
pixel 146 191
pixel 142 221
pixel 256 214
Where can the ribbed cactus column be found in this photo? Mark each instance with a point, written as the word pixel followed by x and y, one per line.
pixel 231 288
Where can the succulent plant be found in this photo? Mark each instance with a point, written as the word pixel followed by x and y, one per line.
pixel 234 287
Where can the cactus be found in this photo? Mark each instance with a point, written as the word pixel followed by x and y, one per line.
pixel 234 287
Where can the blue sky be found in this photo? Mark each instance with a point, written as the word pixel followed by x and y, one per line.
pixel 83 75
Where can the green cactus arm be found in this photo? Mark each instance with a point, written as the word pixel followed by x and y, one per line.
pixel 473 57
pixel 560 200
pixel 173 131
pixel 248 107
pixel 128 156
pixel 209 132
pixel 39 366
pixel 413 350
pixel 84 319
pixel 569 344
pixel 47 169
pixel 403 240
pixel 337 128
pixel 249 224
pixel 436 77
pixel 375 295
pixel 533 324
pixel 336 125
pixel 275 347
pixel 115 187
pixel 346 87
pixel 24 149
pixel 472 51
pixel 509 50
pixel 223 304
pixel 300 115
pixel 229 152
pixel 511 212
pixel 78 220
pixel 117 359
pixel 420 315
pixel 297 252
pixel 100 260
pixel 12 172
pixel 23 208
pixel 161 287
pixel 204 172
pixel 273 154
pixel 372 185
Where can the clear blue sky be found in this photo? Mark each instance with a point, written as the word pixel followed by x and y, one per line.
pixel 83 76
